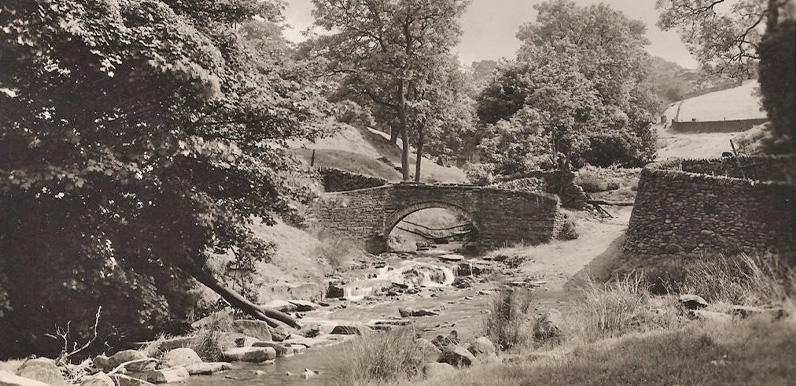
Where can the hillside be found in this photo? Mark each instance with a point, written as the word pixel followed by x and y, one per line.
pixel 735 103
pixel 369 152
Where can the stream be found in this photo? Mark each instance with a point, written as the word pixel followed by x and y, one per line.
pixel 423 276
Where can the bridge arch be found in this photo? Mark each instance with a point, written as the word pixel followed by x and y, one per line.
pixel 499 216
pixel 394 218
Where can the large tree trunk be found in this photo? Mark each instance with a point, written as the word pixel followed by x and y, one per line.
pixel 404 132
pixel 419 153
pixel 241 303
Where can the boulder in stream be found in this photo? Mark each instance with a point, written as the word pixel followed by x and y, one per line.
pixel 257 329
pixel 43 370
pixel 180 357
pixel 249 354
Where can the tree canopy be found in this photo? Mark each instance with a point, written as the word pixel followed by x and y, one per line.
pixel 137 138
pixel 603 119
pixel 388 55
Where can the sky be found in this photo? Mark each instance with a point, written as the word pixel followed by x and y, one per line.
pixel 490 27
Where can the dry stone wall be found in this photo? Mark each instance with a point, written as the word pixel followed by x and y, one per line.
pixel 500 216
pixel 702 205
pixel 337 180
pixel 731 126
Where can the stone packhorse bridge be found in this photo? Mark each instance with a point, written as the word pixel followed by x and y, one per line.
pixel 499 216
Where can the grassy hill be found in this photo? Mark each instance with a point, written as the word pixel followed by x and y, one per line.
pixel 370 152
pixel 735 103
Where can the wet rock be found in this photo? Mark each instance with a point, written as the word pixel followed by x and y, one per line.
pixel 482 347
pixel 431 370
pixel 278 334
pixel 249 354
pixel 310 330
pixel 463 282
pixel 452 257
pixel 408 312
pixel 207 368
pixel 281 349
pixel 456 356
pixel 548 326
pixel 42 370
pixel 692 302
pixel 174 374
pixel 8 379
pixel 304 306
pixel 180 357
pixel 444 341
pixel 99 379
pixel 743 312
pixel 257 329
pixel 178 342
pixel 281 306
pixel 429 350
pixel 124 380
pixel 108 364
pixel 348 330
pixel 335 290
pixel 385 325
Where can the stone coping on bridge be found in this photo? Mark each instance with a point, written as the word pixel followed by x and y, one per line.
pixel 410 185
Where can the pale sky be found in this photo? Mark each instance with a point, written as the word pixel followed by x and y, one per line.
pixel 490 27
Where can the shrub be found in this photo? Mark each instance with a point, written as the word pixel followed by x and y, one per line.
pixel 568 231
pixel 508 323
pixel 383 357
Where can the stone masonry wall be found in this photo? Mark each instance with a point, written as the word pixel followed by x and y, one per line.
pixel 730 126
pixel 500 216
pixel 679 208
pixel 337 180
pixel 555 182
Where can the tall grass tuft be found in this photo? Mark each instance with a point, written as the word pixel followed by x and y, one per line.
pixel 509 324
pixel 208 340
pixel 383 358
pixel 621 306
pixel 745 279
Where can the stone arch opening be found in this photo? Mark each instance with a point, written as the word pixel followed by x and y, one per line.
pixel 460 229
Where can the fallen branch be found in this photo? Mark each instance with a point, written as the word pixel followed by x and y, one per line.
pixel 125 364
pixel 62 334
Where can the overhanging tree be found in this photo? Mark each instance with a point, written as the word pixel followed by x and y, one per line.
pixel 137 138
pixel 737 37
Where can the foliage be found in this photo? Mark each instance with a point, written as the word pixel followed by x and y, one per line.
pixel 728 37
pixel 778 84
pixel 137 138
pixel 578 92
pixel 390 55
pixel 508 323
pixel 386 357
pixel 722 34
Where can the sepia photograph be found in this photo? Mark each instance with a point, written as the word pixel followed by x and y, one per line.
pixel 397 192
